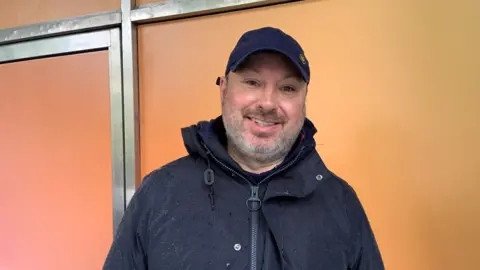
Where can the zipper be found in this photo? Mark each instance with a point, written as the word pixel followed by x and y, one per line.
pixel 254 203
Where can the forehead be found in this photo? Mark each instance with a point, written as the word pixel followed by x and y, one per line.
pixel 267 59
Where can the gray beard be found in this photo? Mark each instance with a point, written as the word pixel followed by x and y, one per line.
pixel 261 154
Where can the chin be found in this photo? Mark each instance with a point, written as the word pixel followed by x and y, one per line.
pixel 260 142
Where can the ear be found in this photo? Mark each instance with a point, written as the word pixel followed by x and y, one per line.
pixel 222 84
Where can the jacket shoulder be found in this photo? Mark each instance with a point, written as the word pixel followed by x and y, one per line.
pixel 336 186
pixel 342 194
pixel 345 187
pixel 179 175
pixel 168 171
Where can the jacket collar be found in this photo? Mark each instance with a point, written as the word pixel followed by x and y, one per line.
pixel 295 177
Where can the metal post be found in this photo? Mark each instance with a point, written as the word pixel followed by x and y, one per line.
pixel 130 95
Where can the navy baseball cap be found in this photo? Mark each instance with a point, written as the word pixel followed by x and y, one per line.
pixel 268 39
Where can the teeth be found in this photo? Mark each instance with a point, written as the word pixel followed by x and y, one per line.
pixel 262 124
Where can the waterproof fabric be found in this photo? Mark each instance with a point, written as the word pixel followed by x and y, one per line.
pixel 201 212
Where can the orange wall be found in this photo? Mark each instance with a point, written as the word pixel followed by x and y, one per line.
pixel 394 94
pixel 14 13
pixel 55 163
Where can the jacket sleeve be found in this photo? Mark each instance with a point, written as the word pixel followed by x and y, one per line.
pixel 364 250
pixel 128 248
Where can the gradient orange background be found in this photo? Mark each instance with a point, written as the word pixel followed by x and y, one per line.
pixel 394 94
pixel 55 163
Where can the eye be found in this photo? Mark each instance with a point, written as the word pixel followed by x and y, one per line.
pixel 251 83
pixel 288 89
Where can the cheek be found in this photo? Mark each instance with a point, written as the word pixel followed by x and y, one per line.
pixel 293 110
pixel 239 102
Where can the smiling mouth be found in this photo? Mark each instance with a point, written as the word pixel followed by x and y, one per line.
pixel 263 123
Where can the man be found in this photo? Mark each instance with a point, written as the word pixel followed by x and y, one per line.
pixel 252 193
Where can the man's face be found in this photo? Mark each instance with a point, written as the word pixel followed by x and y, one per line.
pixel 263 107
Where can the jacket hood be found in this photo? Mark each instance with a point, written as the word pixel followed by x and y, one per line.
pixel 207 140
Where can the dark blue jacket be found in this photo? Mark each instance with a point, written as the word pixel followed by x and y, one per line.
pixel 203 211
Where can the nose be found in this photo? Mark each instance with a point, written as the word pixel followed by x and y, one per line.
pixel 268 100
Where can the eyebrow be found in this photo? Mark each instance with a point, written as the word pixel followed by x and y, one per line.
pixel 293 75
pixel 247 68
pixel 288 76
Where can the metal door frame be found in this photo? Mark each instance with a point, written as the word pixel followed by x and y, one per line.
pixel 85 42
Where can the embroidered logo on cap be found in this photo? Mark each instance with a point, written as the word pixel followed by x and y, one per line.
pixel 303 59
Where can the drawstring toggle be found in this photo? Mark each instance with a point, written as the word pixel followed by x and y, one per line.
pixel 209 178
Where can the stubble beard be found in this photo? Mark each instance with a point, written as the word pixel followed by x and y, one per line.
pixel 258 151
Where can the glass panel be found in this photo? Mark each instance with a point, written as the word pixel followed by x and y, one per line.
pixel 15 13
pixel 55 163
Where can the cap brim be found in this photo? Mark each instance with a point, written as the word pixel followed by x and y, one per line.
pixel 293 60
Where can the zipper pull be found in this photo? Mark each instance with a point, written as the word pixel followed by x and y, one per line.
pixel 254 203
